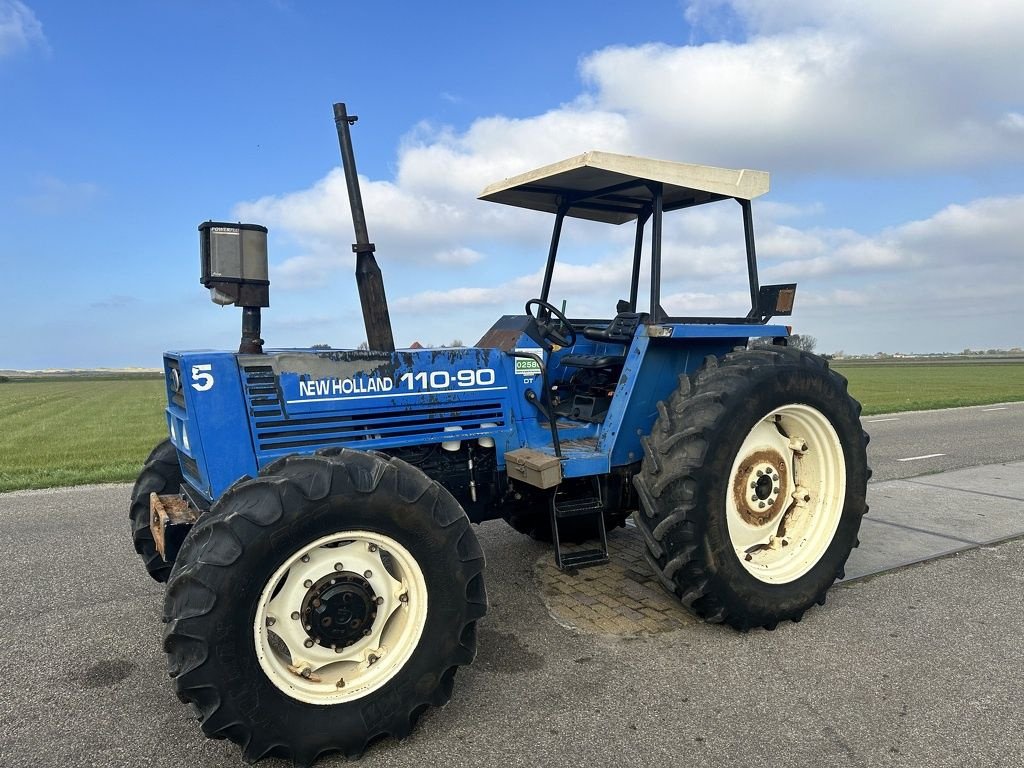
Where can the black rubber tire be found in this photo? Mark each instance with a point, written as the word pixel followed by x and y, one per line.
pixel 161 474
pixel 684 479
pixel 230 555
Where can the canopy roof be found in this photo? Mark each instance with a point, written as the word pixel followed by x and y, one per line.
pixel 602 186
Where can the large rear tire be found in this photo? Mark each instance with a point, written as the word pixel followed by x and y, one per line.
pixel 161 474
pixel 323 605
pixel 753 486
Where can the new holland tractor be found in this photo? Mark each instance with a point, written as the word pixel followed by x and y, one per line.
pixel 311 510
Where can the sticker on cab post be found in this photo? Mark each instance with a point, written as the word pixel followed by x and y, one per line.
pixel 525 366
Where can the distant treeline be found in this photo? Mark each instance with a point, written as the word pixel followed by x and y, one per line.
pixel 19 376
pixel 847 362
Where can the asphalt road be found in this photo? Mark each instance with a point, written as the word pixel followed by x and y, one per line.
pixel 916 667
pixel 906 444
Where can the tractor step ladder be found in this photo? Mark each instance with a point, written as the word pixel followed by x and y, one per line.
pixel 563 507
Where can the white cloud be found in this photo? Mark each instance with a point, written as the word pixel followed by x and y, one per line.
pixel 857 292
pixel 984 232
pixel 839 87
pixel 301 272
pixel 20 30
pixel 852 86
pixel 1013 121
pixel 869 88
pixel 449 299
pixel 462 257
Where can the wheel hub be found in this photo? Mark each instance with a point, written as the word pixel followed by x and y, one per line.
pixel 339 610
pixel 757 488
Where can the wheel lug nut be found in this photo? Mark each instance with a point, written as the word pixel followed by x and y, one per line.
pixel 403 598
pixel 753 485
pixel 339 567
pixel 295 615
pixel 760 473
pixel 379 601
pixel 307 583
pixel 761 505
pixel 308 643
pixel 367 574
pixel 754 497
pixel 366 633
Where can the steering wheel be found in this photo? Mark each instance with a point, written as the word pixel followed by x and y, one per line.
pixel 552 324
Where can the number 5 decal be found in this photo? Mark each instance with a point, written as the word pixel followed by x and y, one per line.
pixel 202 378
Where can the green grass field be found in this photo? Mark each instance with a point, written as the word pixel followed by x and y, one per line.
pixel 73 431
pixel 891 387
pixel 67 432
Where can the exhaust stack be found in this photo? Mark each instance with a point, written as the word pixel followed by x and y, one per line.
pixel 369 280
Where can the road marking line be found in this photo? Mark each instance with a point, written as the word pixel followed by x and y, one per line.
pixel 928 456
pixel 875 421
pixel 1000 408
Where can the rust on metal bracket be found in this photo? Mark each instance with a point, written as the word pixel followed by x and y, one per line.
pixel 170 517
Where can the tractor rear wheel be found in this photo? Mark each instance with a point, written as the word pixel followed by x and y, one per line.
pixel 753 486
pixel 322 605
pixel 160 474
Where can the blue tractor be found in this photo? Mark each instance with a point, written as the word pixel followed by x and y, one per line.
pixel 311 511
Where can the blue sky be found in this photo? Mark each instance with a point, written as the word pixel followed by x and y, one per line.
pixel 894 134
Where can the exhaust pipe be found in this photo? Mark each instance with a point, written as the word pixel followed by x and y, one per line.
pixel 369 280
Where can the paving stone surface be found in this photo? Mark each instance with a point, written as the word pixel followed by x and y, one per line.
pixel 621 598
pixel 910 521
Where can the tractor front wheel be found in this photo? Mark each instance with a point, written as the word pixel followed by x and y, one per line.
pixel 160 474
pixel 753 486
pixel 323 605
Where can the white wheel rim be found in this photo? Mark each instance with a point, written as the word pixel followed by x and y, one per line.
pixel 302 661
pixel 786 492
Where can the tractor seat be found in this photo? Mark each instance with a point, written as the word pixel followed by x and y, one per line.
pixel 619 331
pixel 593 361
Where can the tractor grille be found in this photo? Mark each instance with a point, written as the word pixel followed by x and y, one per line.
pixel 261 389
pixel 189 465
pixel 275 430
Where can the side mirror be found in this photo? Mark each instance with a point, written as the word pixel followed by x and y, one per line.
pixel 233 259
